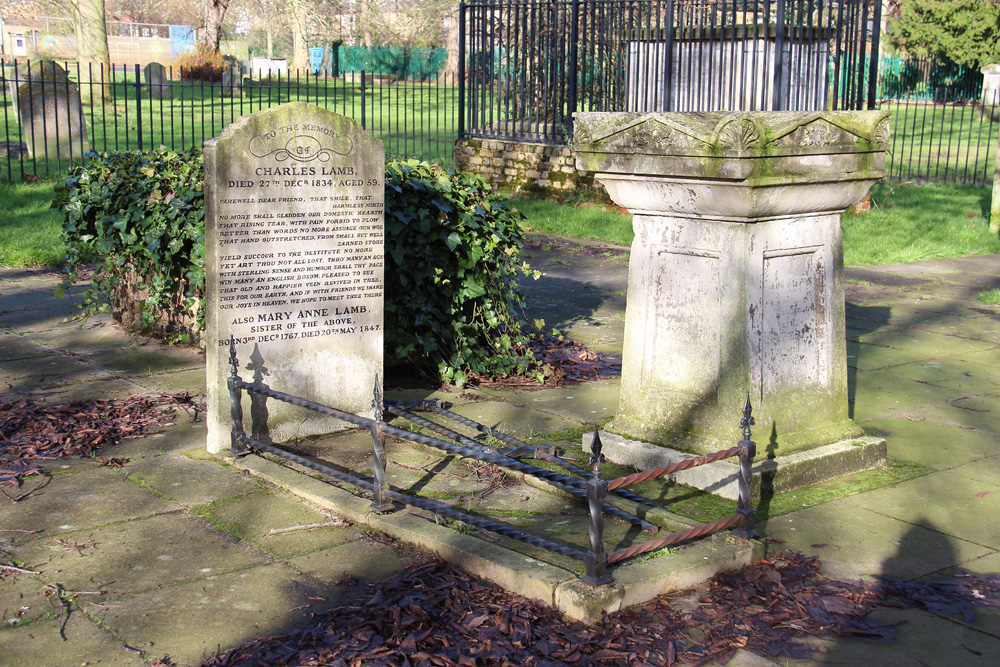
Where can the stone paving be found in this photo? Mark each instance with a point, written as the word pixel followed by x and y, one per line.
pixel 176 553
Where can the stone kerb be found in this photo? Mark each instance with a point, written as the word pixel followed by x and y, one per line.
pixel 157 81
pixel 294 251
pixel 735 277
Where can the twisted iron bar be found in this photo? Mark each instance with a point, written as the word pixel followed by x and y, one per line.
pixel 422 503
pixel 673 538
pixel 437 428
pixel 653 473
pixel 537 452
pixel 570 485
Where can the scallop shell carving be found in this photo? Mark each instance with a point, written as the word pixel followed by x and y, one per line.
pixel 739 135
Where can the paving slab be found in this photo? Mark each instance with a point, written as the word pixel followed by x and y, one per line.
pixel 926 343
pixel 856 542
pixel 977 413
pixel 933 444
pixel 136 556
pixel 185 481
pixel 891 393
pixel 985 329
pixel 875 357
pixel 190 622
pixel 24 598
pixel 83 499
pixel 150 359
pixel 14 346
pixel 45 373
pixel 947 500
pixel 178 382
pixel 587 403
pixel 51 316
pixel 982 470
pixel 357 558
pixel 113 389
pixel 921 638
pixel 91 335
pixel 514 419
pixel 252 517
pixel 962 376
pixel 39 645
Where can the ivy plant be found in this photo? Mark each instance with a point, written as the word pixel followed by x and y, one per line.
pixel 452 246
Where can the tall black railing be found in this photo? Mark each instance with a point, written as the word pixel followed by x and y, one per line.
pixel 530 64
pixel 54 113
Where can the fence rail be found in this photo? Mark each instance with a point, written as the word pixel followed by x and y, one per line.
pixel 943 129
pixel 48 128
pixel 530 64
pixel 591 488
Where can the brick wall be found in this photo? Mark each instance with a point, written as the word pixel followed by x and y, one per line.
pixel 521 167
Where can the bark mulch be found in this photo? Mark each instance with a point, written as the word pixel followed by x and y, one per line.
pixel 436 615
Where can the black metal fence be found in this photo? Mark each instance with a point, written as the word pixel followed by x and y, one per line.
pixel 944 129
pixel 48 126
pixel 530 64
pixel 586 486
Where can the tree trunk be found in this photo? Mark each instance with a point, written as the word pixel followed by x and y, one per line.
pixel 298 15
pixel 270 43
pixel 213 12
pixel 451 43
pixel 92 50
pixel 364 9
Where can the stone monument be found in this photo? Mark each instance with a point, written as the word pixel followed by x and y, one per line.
pixel 990 98
pixel 294 249
pixel 157 81
pixel 51 115
pixel 735 276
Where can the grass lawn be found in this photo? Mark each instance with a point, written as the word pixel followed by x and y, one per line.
pixel 29 229
pixel 907 223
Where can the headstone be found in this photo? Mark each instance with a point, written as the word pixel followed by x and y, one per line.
pixel 157 81
pixel 736 270
pixel 232 82
pixel 294 250
pixel 51 114
pixel 991 91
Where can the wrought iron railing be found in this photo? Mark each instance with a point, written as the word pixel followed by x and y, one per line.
pixel 530 64
pixel 589 487
pixel 413 117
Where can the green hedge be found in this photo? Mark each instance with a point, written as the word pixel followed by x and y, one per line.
pixel 452 256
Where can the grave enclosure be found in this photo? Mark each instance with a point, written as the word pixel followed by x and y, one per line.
pixel 294 252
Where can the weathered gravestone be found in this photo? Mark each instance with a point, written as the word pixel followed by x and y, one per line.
pixel 294 248
pixel 232 81
pixel 48 106
pixel 157 81
pixel 990 97
pixel 736 273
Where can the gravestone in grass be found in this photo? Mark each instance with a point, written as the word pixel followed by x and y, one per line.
pixel 48 106
pixel 157 81
pixel 294 248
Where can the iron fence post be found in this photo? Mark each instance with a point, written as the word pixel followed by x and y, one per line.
pixel 574 35
pixel 597 489
pixel 138 106
pixel 380 503
pixel 748 449
pixel 235 401
pixel 363 99
pixel 873 57
pixel 462 12
pixel 778 102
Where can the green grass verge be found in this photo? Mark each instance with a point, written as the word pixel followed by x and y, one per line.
pixel 30 231
pixel 593 222
pixel 990 297
pixel 907 223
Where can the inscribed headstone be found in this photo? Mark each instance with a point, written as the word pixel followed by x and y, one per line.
pixel 51 115
pixel 157 81
pixel 294 250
